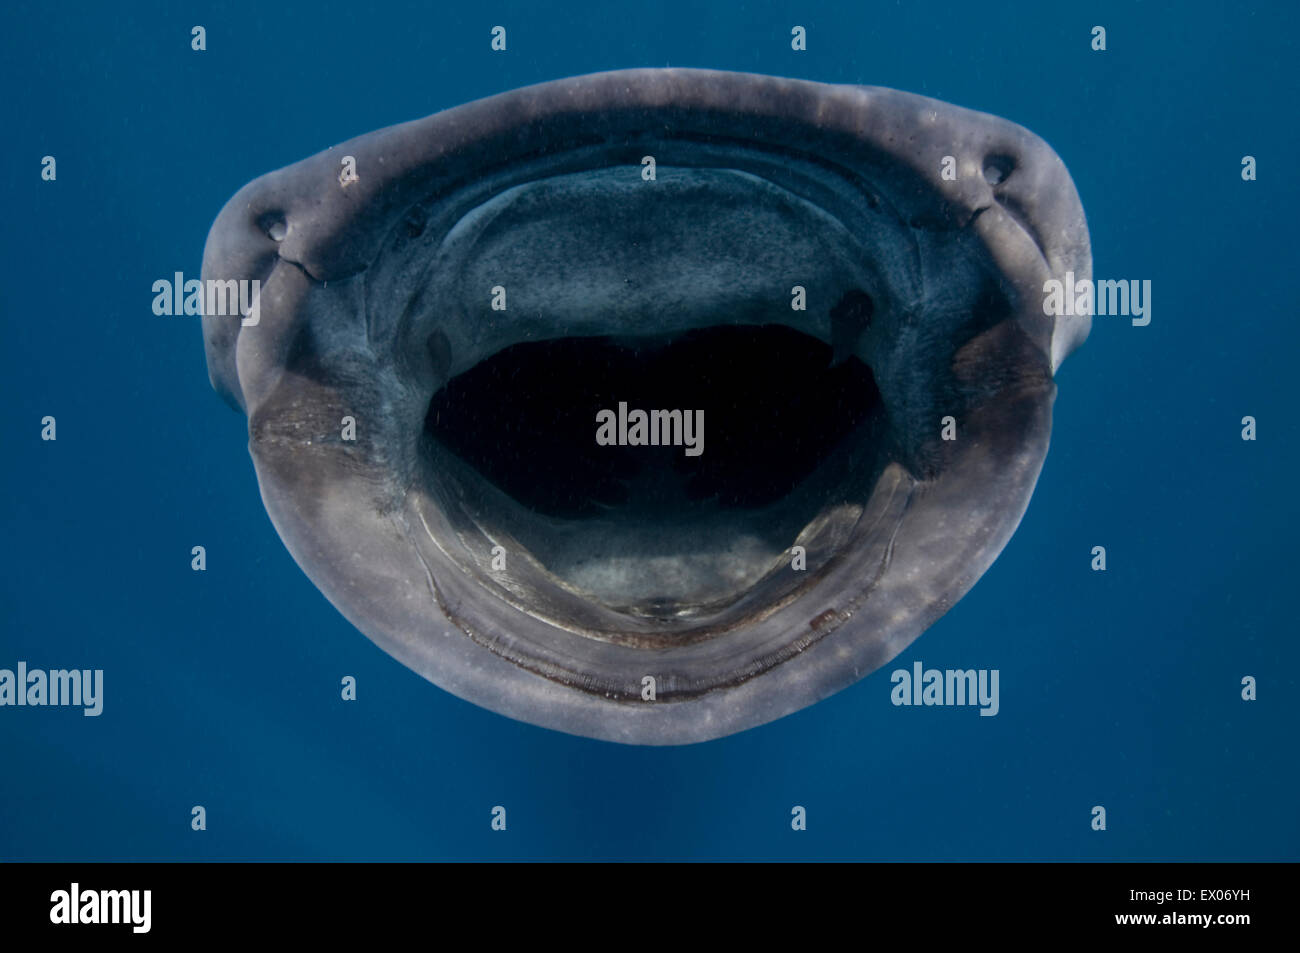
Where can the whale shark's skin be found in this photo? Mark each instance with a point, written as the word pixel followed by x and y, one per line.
pixel 377 290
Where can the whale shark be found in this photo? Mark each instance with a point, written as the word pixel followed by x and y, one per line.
pixel 846 281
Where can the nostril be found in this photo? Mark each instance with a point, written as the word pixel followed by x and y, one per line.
pixel 997 168
pixel 273 225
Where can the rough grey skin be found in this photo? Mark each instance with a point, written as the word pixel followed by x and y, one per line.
pixel 376 292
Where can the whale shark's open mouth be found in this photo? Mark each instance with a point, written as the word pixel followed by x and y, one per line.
pixel 673 532
pixel 652 405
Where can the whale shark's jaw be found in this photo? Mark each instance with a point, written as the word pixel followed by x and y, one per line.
pixel 827 302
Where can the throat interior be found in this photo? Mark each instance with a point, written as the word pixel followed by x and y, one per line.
pixel 659 474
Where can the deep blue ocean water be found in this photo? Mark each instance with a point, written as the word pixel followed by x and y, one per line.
pixel 1120 689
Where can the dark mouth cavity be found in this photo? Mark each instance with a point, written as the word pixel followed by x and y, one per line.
pixel 786 434
pixel 774 409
